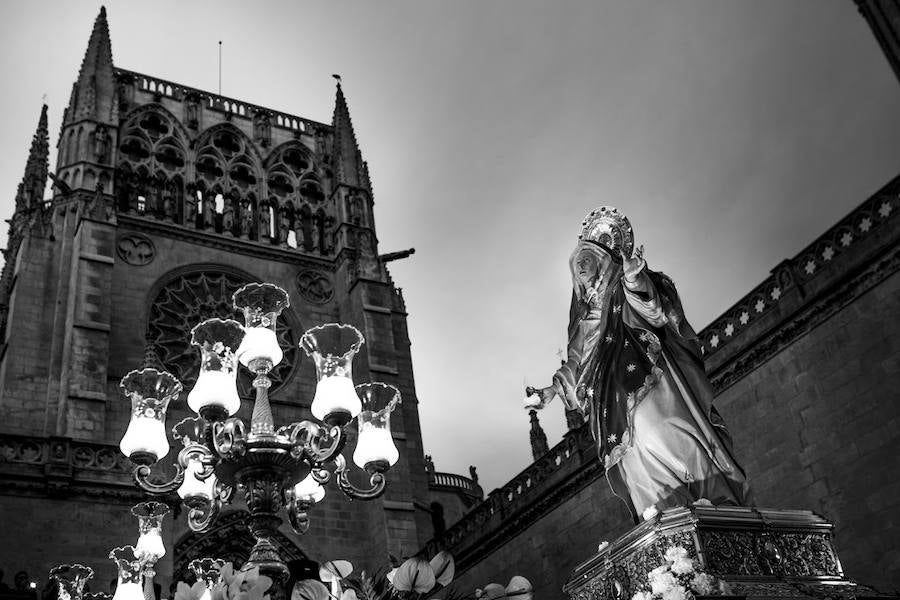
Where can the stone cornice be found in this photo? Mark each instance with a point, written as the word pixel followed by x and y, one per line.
pixel 221 242
pixel 796 284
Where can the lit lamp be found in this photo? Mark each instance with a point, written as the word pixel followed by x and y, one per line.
pixel 332 347
pixel 150 514
pixel 150 392
pixel 209 571
pixel 198 486
pixel 215 394
pixel 130 566
pixel 375 449
pixel 261 304
pixel 71 580
pixel 309 490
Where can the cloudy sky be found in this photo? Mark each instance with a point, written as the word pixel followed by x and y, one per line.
pixel 731 133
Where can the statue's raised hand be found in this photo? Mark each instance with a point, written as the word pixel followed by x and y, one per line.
pixel 537 398
pixel 634 264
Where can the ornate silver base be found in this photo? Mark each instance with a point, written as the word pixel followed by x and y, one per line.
pixel 758 552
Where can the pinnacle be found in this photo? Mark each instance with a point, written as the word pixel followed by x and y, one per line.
pixel 94 89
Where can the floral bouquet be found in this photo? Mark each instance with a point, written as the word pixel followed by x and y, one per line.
pixel 680 578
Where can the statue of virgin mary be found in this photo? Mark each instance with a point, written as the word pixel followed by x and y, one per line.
pixel 634 370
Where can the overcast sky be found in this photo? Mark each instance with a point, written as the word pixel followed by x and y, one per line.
pixel 731 133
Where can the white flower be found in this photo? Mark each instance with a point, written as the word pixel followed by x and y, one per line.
pixel 703 502
pixel 703 584
pixel 649 513
pixel 683 566
pixel 642 596
pixel 676 552
pixel 603 546
pixel 662 583
pixel 676 593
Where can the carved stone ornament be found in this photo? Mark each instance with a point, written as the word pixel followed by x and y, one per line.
pixel 194 297
pixel 749 548
pixel 136 249
pixel 315 286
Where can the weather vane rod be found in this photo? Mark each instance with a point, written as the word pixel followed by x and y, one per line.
pixel 220 67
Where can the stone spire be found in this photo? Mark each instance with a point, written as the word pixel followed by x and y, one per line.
pixel 350 169
pixel 29 197
pixel 539 445
pixel 93 95
pixel 31 190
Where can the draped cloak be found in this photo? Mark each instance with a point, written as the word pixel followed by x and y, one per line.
pixel 635 372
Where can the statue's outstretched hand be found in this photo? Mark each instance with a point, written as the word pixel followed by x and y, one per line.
pixel 537 398
pixel 634 264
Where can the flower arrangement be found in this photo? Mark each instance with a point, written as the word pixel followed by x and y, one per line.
pixel 228 585
pixel 680 578
pixel 412 579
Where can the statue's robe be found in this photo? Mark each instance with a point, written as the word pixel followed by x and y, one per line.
pixel 634 370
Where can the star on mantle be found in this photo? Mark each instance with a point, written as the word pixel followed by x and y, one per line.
pixel 776 293
pixel 745 317
pixel 827 253
pixel 729 329
pixel 865 225
pixel 631 367
pixel 612 438
pixel 885 209
pixel 617 309
pixel 760 305
pixel 714 341
pixel 846 239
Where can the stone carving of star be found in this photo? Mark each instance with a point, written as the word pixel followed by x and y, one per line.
pixel 885 209
pixel 827 253
pixel 729 329
pixel 714 341
pixel 745 317
pixel 810 267
pixel 846 238
pixel 776 293
pixel 760 305
pixel 865 225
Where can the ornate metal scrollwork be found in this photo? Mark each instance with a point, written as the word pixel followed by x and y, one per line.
pixel 376 480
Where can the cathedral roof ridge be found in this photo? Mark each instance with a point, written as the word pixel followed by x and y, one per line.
pixel 239 108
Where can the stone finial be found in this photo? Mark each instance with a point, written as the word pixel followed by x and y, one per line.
pixel 539 445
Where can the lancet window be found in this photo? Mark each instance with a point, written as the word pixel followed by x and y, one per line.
pixel 150 173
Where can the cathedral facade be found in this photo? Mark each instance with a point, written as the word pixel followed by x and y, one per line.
pixel 166 199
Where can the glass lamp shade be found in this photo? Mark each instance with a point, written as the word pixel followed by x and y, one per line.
pixel 71 580
pixel 150 514
pixel 190 431
pixel 194 490
pixel 332 347
pixel 375 448
pixel 218 340
pixel 309 490
pixel 261 304
pixel 129 578
pixel 150 392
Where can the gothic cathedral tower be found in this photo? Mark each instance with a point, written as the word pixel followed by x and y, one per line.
pixel 165 200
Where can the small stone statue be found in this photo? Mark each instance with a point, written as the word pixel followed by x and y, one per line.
pixel 246 219
pixel 284 224
pixel 315 237
pixel 209 211
pixel 190 209
pixel 228 218
pixel 265 233
pixel 101 144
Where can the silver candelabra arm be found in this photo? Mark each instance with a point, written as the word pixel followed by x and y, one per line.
pixel 229 438
pixel 142 477
pixel 326 444
pixel 376 480
pixel 202 515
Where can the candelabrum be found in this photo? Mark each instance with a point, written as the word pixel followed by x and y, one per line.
pixel 274 469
